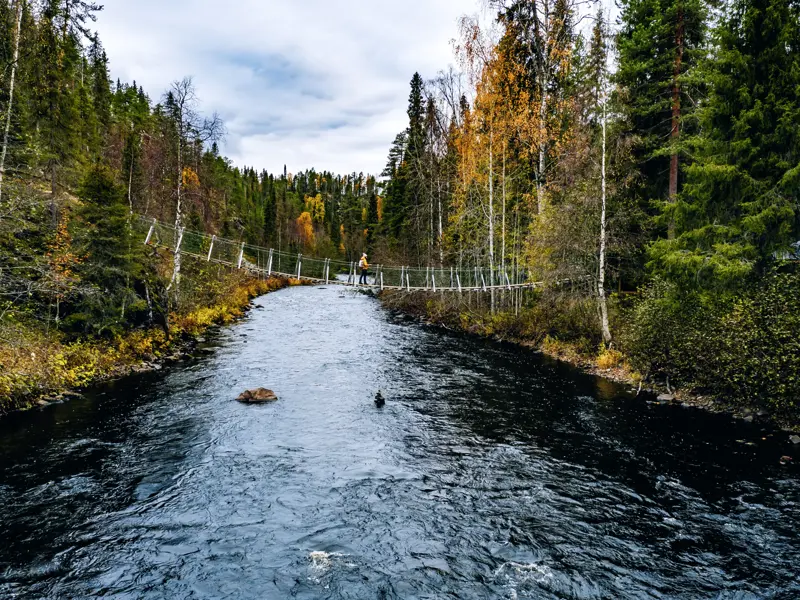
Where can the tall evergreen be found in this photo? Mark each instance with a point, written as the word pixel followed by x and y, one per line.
pixel 741 202
pixel 660 44
pixel 109 257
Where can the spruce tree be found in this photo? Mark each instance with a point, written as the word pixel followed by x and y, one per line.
pixel 740 203
pixel 660 44
pixel 110 258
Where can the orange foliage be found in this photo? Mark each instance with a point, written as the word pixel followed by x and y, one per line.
pixel 61 259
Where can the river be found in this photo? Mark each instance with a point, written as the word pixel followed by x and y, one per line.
pixel 490 473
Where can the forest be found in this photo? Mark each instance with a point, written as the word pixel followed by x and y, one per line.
pixel 646 171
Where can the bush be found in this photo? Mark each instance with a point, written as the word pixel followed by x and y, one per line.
pixel 743 349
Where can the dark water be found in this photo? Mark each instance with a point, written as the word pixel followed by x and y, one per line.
pixel 490 473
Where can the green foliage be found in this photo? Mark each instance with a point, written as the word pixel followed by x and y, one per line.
pixel 110 261
pixel 648 72
pixel 745 350
pixel 740 203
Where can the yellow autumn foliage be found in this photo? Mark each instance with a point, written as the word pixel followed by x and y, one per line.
pixel 190 178
pixel 305 230
pixel 31 365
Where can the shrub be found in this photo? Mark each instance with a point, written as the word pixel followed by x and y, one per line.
pixel 744 349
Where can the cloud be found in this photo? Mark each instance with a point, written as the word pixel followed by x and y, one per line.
pixel 306 83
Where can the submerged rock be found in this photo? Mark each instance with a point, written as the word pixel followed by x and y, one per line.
pixel 795 439
pixel 257 396
pixel 666 398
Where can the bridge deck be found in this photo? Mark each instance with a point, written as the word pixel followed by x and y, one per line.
pixel 260 261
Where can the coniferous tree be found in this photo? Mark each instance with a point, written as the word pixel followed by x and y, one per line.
pixel 740 203
pixel 109 257
pixel 659 45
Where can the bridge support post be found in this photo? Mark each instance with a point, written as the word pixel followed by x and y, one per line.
pixel 458 281
pixel 241 256
pixel 299 265
pixel 327 269
pixel 402 274
pixel 408 281
pixel 150 233
pixel 211 248
pixel 433 279
pixel 508 281
pixel 269 264
pixel 483 281
pixel 381 275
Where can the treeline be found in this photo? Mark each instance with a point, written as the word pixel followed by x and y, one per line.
pixel 83 157
pixel 658 159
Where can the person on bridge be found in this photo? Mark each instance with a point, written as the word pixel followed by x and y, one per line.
pixel 364 266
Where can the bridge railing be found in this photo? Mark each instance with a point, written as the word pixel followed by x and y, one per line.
pixel 269 261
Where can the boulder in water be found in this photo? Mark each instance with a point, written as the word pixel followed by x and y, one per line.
pixel 795 439
pixel 257 396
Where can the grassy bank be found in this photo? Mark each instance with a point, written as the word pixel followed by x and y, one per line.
pixel 740 355
pixel 36 362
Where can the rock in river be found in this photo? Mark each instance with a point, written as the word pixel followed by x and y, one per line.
pixel 257 396
pixel 795 439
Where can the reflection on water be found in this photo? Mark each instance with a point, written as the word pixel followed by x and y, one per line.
pixel 490 473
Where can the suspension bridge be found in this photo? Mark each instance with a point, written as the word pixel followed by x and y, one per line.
pixel 268 262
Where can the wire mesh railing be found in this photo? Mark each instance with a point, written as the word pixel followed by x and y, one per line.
pixel 270 261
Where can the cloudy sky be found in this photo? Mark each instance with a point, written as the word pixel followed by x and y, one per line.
pixel 309 83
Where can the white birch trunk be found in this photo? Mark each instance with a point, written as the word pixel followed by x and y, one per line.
pixel 503 244
pixel 441 233
pixel 542 143
pixel 491 220
pixel 601 279
pixel 176 269
pixel 17 36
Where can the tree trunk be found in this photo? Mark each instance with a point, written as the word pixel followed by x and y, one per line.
pixel 676 119
pixel 503 244
pixel 601 278
pixel 491 222
pixel 17 36
pixel 441 234
pixel 176 269
pixel 542 146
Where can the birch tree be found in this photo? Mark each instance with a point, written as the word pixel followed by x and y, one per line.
pixel 20 5
pixel 190 130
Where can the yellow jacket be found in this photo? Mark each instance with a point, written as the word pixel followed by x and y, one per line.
pixel 363 264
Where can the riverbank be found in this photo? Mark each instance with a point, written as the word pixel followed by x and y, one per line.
pixel 581 352
pixel 39 368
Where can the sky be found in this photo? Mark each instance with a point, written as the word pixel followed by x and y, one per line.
pixel 306 83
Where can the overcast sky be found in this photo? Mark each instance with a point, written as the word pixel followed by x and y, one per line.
pixel 308 83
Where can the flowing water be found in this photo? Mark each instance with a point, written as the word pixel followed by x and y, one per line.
pixel 490 473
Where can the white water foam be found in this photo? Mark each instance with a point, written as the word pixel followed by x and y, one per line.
pixel 520 577
pixel 321 563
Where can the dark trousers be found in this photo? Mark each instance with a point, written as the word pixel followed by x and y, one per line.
pixel 363 279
